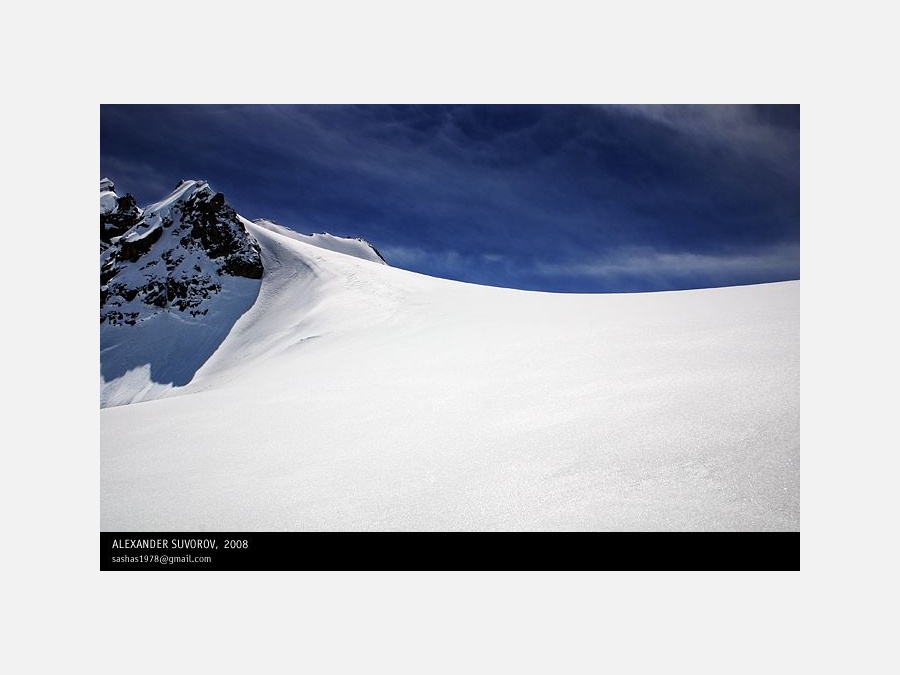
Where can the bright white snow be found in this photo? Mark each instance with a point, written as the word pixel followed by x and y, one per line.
pixel 108 196
pixel 356 396
pixel 354 247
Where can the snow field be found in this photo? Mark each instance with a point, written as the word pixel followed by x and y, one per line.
pixel 356 396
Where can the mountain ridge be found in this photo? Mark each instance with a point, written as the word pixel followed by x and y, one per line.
pixel 174 277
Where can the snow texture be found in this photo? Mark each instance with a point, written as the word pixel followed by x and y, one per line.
pixel 355 396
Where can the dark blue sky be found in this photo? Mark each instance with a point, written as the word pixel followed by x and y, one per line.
pixel 545 197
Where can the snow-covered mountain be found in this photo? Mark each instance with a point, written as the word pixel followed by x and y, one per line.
pixel 174 278
pixel 171 255
pixel 350 395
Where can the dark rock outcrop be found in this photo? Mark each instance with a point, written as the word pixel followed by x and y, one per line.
pixel 172 256
pixel 122 218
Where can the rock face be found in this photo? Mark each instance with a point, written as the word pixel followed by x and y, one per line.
pixel 117 214
pixel 173 256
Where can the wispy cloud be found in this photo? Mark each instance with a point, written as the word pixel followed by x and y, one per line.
pixel 735 130
pixel 447 261
pixel 668 268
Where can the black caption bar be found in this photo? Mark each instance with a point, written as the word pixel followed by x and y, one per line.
pixel 409 551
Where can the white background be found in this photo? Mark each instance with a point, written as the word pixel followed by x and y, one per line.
pixel 60 63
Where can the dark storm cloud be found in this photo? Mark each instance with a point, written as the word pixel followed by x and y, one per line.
pixel 550 197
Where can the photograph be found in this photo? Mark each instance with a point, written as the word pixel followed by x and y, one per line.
pixel 458 338
pixel 473 323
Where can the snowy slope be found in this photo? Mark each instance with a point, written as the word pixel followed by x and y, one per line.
pixel 356 396
pixel 174 278
pixel 359 248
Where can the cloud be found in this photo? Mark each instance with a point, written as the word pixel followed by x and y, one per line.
pixel 448 262
pixel 632 267
pixel 672 268
pixel 737 130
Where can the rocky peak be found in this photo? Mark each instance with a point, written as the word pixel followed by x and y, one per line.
pixel 172 256
pixel 117 214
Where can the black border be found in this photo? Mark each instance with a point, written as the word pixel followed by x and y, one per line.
pixel 458 551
